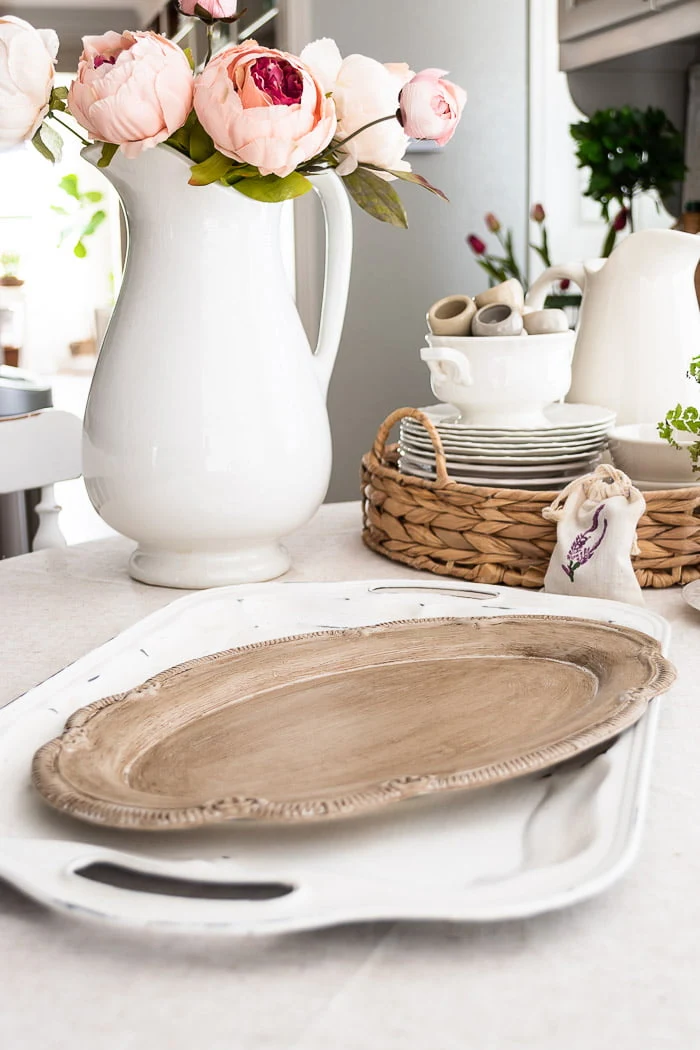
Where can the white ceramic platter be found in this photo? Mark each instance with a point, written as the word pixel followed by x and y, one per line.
pixel 513 850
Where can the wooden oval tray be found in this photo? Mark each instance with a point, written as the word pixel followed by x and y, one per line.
pixel 340 723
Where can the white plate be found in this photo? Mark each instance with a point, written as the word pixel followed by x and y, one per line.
pixel 559 416
pixel 495 470
pixel 691 593
pixel 661 486
pixel 523 461
pixel 496 449
pixel 532 484
pixel 505 852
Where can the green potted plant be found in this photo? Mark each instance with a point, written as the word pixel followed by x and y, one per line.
pixel 81 211
pixel 628 151
pixel 9 264
pixel 682 421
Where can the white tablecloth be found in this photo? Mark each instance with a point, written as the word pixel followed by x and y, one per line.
pixel 617 973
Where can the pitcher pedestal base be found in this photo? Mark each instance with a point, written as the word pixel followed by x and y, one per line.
pixel 198 570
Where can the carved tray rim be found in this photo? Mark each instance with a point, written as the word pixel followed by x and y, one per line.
pixel 62 795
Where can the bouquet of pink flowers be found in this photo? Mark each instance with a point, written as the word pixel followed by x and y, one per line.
pixel 254 118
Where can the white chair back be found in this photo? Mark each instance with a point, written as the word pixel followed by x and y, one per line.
pixel 36 451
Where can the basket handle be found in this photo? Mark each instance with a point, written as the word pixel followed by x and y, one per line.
pixel 380 441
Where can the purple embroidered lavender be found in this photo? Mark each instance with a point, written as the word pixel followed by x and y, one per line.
pixel 585 545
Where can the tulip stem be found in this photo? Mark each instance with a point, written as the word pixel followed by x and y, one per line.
pixel 69 128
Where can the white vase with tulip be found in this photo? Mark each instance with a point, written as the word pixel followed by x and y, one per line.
pixel 206 434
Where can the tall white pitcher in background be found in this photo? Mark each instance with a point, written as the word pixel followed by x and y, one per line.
pixel 206 433
pixel 639 325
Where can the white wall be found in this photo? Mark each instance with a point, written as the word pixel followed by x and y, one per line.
pixel 398 274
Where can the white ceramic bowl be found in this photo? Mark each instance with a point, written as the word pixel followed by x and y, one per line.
pixel 642 454
pixel 501 381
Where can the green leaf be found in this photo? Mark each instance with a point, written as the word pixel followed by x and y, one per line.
pixel 419 180
pixel 211 170
pixel 58 210
pixel 80 251
pixel 189 56
pixel 94 196
pixel 108 151
pixel 201 144
pixel 377 197
pixel 58 99
pixel 94 224
pixel 49 143
pixel 272 189
pixel 69 185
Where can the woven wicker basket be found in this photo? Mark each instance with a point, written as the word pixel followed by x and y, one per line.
pixel 499 535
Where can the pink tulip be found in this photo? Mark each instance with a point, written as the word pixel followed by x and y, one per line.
pixel 264 107
pixel 431 107
pixel 217 9
pixel 132 89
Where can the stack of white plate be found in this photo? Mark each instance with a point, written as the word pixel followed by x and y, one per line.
pixel 570 445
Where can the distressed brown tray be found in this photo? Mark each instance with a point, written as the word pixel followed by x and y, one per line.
pixel 341 723
pixel 499 536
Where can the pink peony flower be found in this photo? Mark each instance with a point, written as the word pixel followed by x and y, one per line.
pixel 216 8
pixel 27 58
pixel 132 89
pixel 264 107
pixel 363 90
pixel 431 108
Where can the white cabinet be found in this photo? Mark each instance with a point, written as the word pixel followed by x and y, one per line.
pixel 593 31
pixel 580 17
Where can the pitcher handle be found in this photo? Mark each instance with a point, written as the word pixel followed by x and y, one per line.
pixel 336 211
pixel 542 287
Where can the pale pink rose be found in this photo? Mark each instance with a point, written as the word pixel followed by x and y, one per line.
pixel 431 107
pixel 27 58
pixel 363 91
pixel 264 107
pixel 132 89
pixel 216 8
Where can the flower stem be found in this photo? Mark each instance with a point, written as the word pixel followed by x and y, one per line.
pixel 63 124
pixel 380 120
pixel 210 44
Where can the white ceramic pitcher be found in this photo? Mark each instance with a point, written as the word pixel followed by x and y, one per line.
pixel 206 433
pixel 639 325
